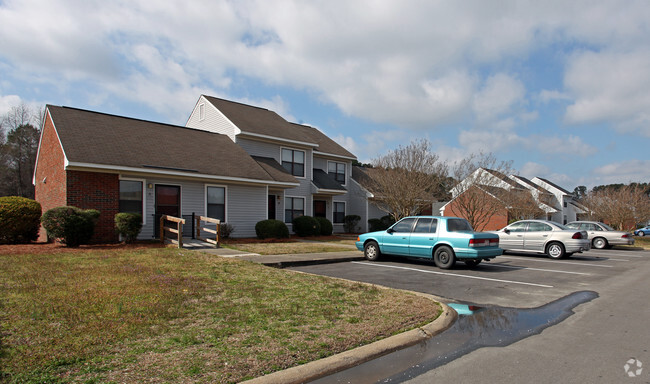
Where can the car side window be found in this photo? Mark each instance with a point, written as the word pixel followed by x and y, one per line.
pixel 518 227
pixel 423 225
pixel 404 226
pixel 596 227
pixel 434 225
pixel 539 227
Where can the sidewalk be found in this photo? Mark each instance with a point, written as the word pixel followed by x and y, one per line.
pixel 288 260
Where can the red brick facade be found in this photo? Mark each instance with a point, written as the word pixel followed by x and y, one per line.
pixel 56 187
pixel 493 223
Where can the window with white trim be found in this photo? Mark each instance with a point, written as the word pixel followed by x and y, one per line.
pixel 293 207
pixel 131 196
pixel 216 203
pixel 201 112
pixel 294 161
pixel 339 212
pixel 337 170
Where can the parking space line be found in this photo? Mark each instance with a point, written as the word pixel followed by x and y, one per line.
pixel 555 261
pixel 533 269
pixel 451 274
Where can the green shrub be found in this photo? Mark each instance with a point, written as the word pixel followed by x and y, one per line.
pixel 70 225
pixel 20 220
pixel 381 224
pixel 128 225
pixel 350 223
pixel 306 226
pixel 325 226
pixel 274 229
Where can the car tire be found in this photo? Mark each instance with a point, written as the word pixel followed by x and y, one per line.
pixel 444 257
pixel 472 263
pixel 555 250
pixel 371 251
pixel 641 233
pixel 599 243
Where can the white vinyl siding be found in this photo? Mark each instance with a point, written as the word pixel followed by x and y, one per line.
pixel 213 120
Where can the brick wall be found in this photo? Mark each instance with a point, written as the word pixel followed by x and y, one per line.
pixel 50 176
pixel 492 223
pixel 100 191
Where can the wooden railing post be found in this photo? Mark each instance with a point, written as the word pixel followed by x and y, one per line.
pixel 180 234
pixel 162 229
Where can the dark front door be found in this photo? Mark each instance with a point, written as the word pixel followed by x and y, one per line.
pixel 168 202
pixel 271 207
pixel 320 208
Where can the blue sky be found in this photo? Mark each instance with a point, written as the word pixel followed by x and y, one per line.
pixel 561 89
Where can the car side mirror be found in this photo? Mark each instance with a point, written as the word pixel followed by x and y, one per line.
pixel 390 230
pixel 506 230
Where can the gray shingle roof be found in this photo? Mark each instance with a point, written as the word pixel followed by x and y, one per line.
pixel 324 181
pixel 91 137
pixel 261 121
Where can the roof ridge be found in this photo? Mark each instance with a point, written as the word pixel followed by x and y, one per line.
pixel 238 102
pixel 130 118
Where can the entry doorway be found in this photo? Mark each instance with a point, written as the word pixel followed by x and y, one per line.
pixel 271 207
pixel 320 208
pixel 168 202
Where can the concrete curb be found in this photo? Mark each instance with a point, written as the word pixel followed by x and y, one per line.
pixel 336 363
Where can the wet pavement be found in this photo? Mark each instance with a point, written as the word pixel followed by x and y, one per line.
pixel 484 327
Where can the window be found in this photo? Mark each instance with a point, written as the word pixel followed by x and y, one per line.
pixel 339 212
pixel 337 170
pixel 456 225
pixel 539 227
pixel 131 196
pixel 424 225
pixel 294 162
pixel 216 203
pixel 404 225
pixel 293 207
pixel 201 112
pixel 518 227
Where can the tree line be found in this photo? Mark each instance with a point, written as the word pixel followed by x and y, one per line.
pixel 19 135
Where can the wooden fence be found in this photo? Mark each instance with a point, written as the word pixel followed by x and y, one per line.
pixel 215 232
pixel 178 230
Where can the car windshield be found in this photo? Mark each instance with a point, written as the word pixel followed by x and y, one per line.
pixel 456 225
pixel 607 227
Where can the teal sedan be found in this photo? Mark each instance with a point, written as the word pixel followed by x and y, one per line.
pixel 443 239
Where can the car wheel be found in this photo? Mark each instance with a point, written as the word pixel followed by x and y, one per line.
pixel 472 263
pixel 444 257
pixel 599 243
pixel 555 250
pixel 371 251
pixel 641 233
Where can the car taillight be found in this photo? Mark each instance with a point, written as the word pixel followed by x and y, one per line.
pixel 577 236
pixel 625 236
pixel 358 238
pixel 494 242
pixel 478 242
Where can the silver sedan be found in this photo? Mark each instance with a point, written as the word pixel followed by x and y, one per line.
pixel 602 235
pixel 541 236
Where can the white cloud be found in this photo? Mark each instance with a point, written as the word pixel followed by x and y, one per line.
pixel 498 96
pixel 531 170
pixel 610 86
pixel 7 102
pixel 569 146
pixel 622 172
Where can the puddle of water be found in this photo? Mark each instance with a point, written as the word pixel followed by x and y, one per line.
pixel 479 327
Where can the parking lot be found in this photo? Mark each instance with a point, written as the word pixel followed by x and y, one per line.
pixel 511 280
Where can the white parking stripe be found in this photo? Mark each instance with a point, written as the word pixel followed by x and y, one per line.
pixel 554 261
pixel 451 274
pixel 532 269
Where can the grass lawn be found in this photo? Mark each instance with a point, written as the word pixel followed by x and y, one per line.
pixel 168 315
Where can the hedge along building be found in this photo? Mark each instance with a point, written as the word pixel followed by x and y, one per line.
pixel 117 164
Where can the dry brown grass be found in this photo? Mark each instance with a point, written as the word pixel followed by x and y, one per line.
pixel 168 315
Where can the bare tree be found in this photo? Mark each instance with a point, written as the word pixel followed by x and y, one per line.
pixel 622 207
pixel 483 188
pixel 18 150
pixel 408 179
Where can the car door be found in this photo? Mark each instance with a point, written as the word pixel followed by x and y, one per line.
pixel 423 237
pixel 396 240
pixel 536 236
pixel 512 237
